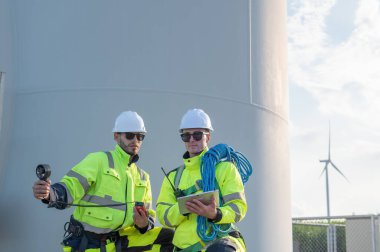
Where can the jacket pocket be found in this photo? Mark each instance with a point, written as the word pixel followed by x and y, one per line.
pixel 111 172
pixel 140 190
pixel 111 184
pixel 100 214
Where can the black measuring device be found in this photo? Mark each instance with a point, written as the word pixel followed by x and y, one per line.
pixel 43 171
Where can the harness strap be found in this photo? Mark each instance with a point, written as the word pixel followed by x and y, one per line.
pixel 103 243
pixel 103 239
pixel 198 186
pixel 122 242
pixel 74 229
pixel 83 244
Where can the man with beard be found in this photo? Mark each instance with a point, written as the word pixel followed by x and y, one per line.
pixel 112 196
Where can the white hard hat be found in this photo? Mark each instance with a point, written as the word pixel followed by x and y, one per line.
pixel 195 118
pixel 129 121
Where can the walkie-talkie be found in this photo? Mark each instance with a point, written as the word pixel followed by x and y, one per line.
pixel 140 207
pixel 177 192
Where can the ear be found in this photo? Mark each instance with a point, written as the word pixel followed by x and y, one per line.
pixel 116 136
pixel 208 138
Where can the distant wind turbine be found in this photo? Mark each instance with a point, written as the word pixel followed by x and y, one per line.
pixel 327 162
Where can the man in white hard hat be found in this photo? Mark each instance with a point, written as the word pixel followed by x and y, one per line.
pixel 112 196
pixel 195 132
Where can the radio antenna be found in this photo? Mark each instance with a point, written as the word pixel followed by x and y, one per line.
pixel 166 175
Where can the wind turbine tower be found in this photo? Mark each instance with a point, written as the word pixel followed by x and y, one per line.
pixel 331 231
pixel 328 162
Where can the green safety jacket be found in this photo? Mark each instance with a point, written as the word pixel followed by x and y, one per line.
pixel 231 188
pixel 100 180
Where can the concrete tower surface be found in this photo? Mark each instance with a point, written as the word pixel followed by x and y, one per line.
pixel 72 66
pixel 271 187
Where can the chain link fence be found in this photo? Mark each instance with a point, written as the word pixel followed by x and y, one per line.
pixel 337 234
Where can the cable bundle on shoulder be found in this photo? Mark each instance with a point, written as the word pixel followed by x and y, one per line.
pixel 207 231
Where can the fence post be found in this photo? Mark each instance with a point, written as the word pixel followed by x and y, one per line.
pixel 328 239
pixel 331 238
pixel 334 237
pixel 373 232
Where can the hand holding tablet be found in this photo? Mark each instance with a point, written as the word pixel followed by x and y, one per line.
pixel 204 197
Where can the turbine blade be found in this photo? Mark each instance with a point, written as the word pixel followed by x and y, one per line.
pixel 341 173
pixel 324 169
pixel 329 140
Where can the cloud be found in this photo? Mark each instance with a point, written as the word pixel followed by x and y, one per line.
pixel 342 76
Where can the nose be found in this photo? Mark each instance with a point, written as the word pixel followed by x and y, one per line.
pixel 192 139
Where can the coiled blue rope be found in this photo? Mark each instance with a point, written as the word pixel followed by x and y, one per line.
pixel 208 231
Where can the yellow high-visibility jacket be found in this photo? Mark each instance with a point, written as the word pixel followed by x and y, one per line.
pixel 99 180
pixel 230 186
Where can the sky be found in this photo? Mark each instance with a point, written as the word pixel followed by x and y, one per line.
pixel 334 76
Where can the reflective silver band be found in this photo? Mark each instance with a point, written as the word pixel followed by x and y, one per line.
pixel 107 200
pixel 234 196
pixel 167 222
pixel 82 180
pixel 148 205
pixel 236 210
pixel 97 230
pixel 110 159
pixel 178 175
pixel 142 173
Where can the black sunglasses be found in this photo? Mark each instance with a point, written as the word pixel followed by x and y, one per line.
pixel 197 135
pixel 130 136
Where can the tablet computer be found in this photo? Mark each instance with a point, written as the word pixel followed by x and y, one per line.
pixel 204 197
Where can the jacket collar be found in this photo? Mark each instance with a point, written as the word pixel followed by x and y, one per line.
pixel 193 162
pixel 125 156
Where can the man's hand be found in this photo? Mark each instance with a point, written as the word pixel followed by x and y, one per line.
pixel 41 189
pixel 140 217
pixel 197 207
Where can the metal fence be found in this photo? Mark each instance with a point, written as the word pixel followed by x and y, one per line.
pixel 337 234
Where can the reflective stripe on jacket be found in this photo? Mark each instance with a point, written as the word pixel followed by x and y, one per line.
pixel 99 180
pixel 231 188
